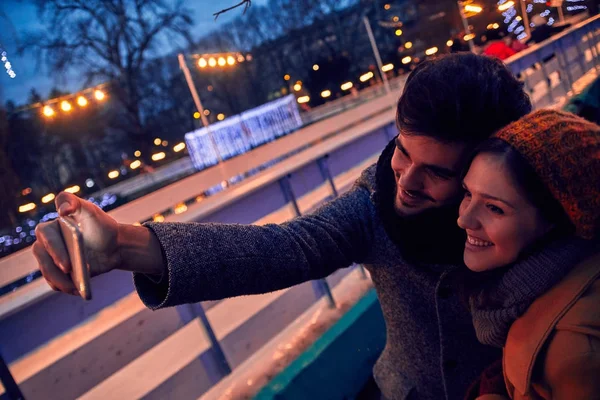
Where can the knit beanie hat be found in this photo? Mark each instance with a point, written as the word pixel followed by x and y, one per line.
pixel 564 151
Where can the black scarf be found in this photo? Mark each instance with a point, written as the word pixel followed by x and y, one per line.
pixel 431 237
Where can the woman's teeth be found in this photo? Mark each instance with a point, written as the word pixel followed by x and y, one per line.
pixel 478 242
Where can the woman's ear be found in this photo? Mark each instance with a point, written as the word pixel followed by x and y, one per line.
pixel 547 227
pixel 543 226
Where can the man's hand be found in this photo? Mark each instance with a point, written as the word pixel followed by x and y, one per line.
pixel 100 236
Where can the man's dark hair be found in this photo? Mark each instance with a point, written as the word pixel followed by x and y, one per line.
pixel 460 98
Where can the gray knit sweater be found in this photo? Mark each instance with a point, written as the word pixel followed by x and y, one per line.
pixel 431 351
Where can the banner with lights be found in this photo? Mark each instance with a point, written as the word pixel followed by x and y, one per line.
pixel 241 133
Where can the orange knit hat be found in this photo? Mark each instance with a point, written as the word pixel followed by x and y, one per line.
pixel 564 151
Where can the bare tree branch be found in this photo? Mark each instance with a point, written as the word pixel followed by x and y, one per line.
pixel 245 3
pixel 111 41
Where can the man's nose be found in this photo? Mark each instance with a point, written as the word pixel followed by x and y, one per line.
pixel 411 179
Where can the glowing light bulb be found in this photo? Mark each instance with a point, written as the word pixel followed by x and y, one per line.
pixel 99 95
pixel 66 106
pixel 48 111
pixel 82 101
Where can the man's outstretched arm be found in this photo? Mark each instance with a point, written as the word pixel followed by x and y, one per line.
pixel 175 263
pixel 214 261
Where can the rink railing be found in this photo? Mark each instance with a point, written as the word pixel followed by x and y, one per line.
pixel 21 264
pixel 568 55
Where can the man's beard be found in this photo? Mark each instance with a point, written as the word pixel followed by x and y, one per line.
pixel 411 207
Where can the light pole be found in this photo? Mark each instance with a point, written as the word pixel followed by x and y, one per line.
pixel 525 17
pixel 198 103
pixel 463 17
pixel 386 84
pixel 558 4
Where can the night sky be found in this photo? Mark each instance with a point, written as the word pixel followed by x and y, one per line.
pixel 24 18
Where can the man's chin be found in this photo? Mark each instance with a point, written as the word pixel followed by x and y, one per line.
pixel 405 210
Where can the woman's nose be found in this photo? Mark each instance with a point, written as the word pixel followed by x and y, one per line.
pixel 466 217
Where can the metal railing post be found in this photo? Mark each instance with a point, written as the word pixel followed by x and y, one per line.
pixel 546 77
pixel 568 83
pixel 326 174
pixel 290 197
pixel 526 85
pixel 581 57
pixel 188 312
pixel 593 49
pixel 9 383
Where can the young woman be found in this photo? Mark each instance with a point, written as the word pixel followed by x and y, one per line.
pixel 531 212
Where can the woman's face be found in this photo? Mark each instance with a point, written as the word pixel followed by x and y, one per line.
pixel 499 220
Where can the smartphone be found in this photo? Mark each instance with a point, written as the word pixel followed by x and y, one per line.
pixel 80 273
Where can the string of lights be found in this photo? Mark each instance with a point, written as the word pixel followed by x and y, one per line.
pixel 65 104
pixel 69 102
pixel 7 64
pixel 511 18
pixel 220 59
pixel 573 6
pixel 113 174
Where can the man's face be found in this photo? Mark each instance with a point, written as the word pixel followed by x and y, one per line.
pixel 427 173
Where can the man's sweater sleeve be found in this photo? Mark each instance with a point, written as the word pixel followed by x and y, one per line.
pixel 213 261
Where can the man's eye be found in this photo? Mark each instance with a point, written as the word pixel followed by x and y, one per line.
pixel 442 175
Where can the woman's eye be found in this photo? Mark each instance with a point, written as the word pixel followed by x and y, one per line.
pixel 495 209
pixel 467 194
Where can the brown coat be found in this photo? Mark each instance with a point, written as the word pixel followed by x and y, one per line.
pixel 553 350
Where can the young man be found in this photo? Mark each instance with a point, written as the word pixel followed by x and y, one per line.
pixel 399 220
